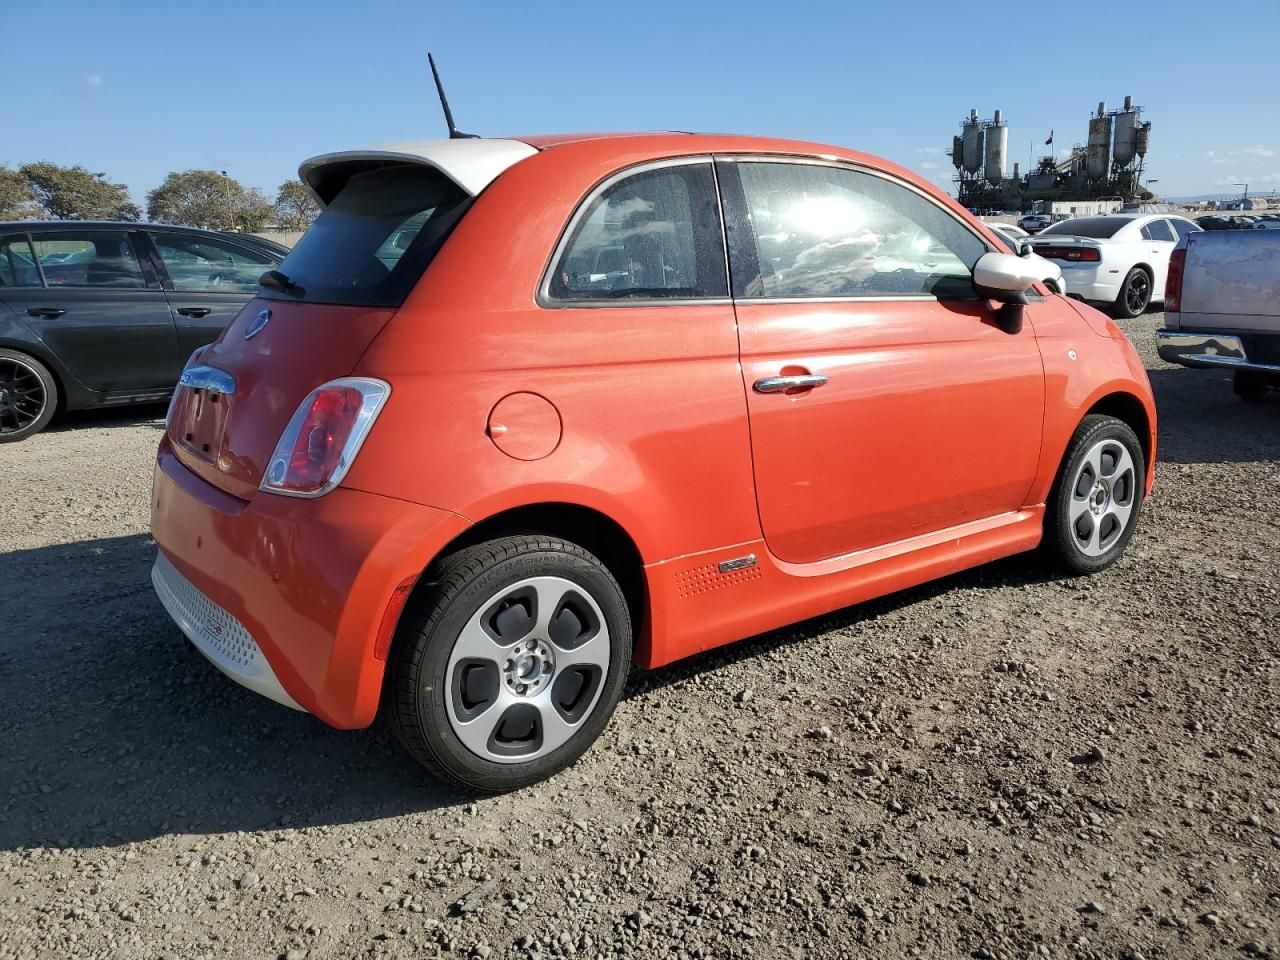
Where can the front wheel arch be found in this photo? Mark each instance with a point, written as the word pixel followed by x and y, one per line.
pixel 1128 408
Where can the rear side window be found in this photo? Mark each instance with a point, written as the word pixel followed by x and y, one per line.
pixel 374 240
pixel 826 231
pixel 88 258
pixel 209 266
pixel 652 235
pixel 17 263
pixel 1157 230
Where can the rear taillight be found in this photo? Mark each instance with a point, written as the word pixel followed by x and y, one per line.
pixel 321 441
pixel 1173 282
pixel 1074 254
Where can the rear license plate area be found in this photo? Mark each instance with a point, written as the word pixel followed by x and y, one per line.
pixel 203 419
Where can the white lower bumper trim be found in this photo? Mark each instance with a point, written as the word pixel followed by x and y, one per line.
pixel 216 633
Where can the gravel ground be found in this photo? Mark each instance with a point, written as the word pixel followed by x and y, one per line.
pixel 1003 764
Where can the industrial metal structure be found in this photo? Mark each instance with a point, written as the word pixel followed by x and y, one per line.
pixel 1108 166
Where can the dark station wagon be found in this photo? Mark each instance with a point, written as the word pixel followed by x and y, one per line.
pixel 103 314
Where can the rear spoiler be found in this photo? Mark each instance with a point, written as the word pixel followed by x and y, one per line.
pixel 472 164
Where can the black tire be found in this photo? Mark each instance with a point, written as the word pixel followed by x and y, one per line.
pixel 1135 295
pixel 1249 386
pixel 28 396
pixel 1062 536
pixel 419 684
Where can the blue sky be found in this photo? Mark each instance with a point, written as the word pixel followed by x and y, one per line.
pixel 141 88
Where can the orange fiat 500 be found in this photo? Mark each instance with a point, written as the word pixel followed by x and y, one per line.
pixel 516 414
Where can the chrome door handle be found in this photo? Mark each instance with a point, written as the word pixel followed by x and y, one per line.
pixel 782 384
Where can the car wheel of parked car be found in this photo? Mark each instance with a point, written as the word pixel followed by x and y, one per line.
pixel 1249 386
pixel 1135 294
pixel 1098 495
pixel 28 396
pixel 513 664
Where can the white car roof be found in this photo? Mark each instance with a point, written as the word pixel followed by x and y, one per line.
pixel 472 163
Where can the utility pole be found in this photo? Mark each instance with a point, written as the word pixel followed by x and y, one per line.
pixel 226 192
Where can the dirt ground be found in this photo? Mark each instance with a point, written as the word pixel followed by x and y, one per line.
pixel 1003 764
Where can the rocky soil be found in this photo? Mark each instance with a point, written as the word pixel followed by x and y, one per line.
pixel 1005 764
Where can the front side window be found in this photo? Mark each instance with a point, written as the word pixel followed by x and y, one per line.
pixel 1157 230
pixel 653 235
pixel 827 231
pixel 17 263
pixel 88 258
pixel 203 265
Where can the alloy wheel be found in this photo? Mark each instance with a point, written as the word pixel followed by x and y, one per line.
pixel 22 395
pixel 527 670
pixel 1138 292
pixel 1103 495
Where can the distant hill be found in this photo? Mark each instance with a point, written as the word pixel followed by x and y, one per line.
pixel 1201 198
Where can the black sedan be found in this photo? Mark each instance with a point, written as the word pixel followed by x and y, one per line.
pixel 103 314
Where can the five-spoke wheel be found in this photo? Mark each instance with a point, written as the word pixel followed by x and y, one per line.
pixel 513 663
pixel 527 669
pixel 1135 294
pixel 1103 496
pixel 1098 494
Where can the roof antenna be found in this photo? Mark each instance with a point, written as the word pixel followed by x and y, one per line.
pixel 454 132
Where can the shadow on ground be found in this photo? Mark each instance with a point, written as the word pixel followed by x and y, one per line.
pixel 145 415
pixel 117 730
pixel 1203 421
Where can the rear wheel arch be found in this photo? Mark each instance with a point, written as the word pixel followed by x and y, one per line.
pixel 47 361
pixel 1151 278
pixel 594 531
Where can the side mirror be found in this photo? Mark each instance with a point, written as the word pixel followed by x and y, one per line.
pixel 1005 278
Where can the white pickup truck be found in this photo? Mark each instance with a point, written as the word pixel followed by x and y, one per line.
pixel 1222 307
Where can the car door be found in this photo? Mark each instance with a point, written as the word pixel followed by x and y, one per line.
pixel 884 401
pixel 99 308
pixel 1158 241
pixel 208 281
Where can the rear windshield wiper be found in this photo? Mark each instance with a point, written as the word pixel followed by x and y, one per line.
pixel 275 280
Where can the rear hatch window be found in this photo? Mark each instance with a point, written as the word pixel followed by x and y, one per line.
pixel 372 243
pixel 348 275
pixel 1096 228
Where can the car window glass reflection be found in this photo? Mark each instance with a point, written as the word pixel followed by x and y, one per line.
pixel 197 264
pixel 825 231
pixel 17 263
pixel 88 259
pixel 652 235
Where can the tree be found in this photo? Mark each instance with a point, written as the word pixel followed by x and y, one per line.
pixel 17 200
pixel 255 211
pixel 296 205
pixel 73 193
pixel 208 199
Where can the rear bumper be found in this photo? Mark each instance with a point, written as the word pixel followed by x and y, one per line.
pixel 1193 349
pixel 285 595
pixel 1090 281
pixel 216 633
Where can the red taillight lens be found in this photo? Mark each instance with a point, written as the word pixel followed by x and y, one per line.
pixel 321 441
pixel 1074 254
pixel 1173 282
